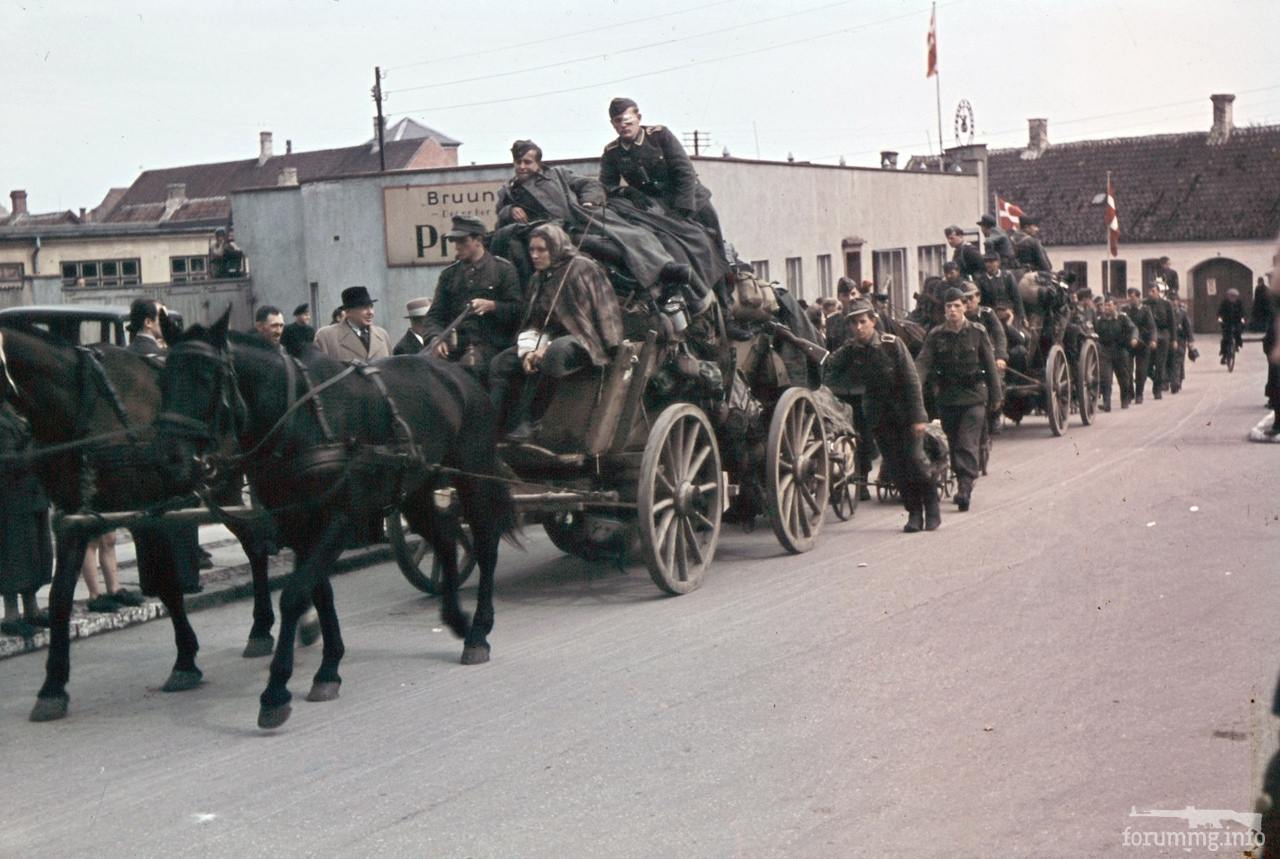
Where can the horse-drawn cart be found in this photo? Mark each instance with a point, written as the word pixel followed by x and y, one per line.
pixel 1059 373
pixel 651 453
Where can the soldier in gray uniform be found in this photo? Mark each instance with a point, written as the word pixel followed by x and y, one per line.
pixel 1116 336
pixel 997 241
pixel 958 360
pixel 986 317
pixel 1027 249
pixel 1166 322
pixel 1146 325
pixel 880 366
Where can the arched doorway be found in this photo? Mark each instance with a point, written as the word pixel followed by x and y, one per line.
pixel 1210 281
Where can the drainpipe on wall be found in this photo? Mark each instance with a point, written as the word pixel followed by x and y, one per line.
pixel 35 258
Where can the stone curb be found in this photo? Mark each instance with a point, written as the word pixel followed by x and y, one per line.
pixel 221 585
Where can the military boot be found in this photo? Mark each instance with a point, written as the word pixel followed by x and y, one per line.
pixel 915 514
pixel 932 515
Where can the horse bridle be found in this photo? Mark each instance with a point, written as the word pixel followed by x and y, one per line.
pixel 228 404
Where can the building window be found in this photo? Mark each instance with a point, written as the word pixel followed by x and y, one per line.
pixel 761 269
pixel 824 274
pixel 11 274
pixel 1115 277
pixel 105 272
pixel 930 259
pixel 188 269
pixel 795 277
pixel 889 270
pixel 1079 270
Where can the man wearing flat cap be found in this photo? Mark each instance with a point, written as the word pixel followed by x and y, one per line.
pixel 355 338
pixel 996 240
pixel 1027 249
pixel 415 339
pixel 484 285
pixel 879 367
pixel 958 362
pixel 964 254
pixel 299 332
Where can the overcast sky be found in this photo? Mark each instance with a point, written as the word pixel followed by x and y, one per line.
pixel 95 92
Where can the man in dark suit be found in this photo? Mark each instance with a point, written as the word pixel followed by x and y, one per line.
pixel 355 338
pixel 997 240
pixel 167 544
pixel 415 339
pixel 965 254
pixel 299 331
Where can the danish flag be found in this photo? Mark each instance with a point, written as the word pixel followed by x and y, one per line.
pixel 1008 215
pixel 933 44
pixel 1113 220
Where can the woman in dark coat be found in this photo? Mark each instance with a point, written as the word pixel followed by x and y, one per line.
pixel 26 547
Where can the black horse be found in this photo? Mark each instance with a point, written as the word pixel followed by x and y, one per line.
pixel 74 394
pixel 329 449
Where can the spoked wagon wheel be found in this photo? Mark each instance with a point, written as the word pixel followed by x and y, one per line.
pixel 798 469
pixel 680 498
pixel 1088 382
pixel 1057 389
pixel 844 476
pixel 410 552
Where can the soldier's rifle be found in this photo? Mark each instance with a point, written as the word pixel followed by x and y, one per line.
pixel 813 351
pixel 443 336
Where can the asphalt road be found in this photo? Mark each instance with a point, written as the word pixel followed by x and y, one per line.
pixel 1096 635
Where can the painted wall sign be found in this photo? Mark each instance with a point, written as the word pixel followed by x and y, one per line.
pixel 418 216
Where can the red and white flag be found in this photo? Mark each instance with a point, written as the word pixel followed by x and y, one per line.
pixel 933 44
pixel 1008 215
pixel 1113 220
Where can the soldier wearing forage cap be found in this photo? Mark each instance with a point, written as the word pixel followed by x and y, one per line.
pixel 966 254
pixel 997 285
pixel 486 284
pixel 958 360
pixel 1146 325
pixel 997 240
pixel 655 165
pixel 880 366
pixel 1027 248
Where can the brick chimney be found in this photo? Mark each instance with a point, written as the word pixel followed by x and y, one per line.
pixel 18 201
pixel 288 147
pixel 264 147
pixel 1222 118
pixel 288 176
pixel 1037 138
pixel 889 160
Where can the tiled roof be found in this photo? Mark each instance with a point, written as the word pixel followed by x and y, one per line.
pixel 210 185
pixel 1168 188
pixel 41 219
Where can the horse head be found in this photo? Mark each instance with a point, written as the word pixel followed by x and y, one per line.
pixel 199 400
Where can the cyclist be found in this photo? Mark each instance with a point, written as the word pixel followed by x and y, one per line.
pixel 1231 318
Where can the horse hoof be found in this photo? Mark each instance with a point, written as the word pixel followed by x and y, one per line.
pixel 50 709
pixel 324 691
pixel 309 630
pixel 182 681
pixel 259 647
pixel 270 718
pixel 476 654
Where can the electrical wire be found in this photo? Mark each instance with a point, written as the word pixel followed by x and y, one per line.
pixel 631 50
pixel 558 37
pixel 827 35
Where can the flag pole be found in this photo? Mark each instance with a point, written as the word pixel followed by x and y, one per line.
pixel 937 80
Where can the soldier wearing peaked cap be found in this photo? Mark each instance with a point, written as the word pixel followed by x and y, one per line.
pixel 880 366
pixel 997 240
pixel 966 254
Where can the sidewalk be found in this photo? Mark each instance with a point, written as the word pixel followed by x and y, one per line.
pixel 227 580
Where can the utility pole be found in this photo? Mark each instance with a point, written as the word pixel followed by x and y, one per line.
pixel 701 140
pixel 377 100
